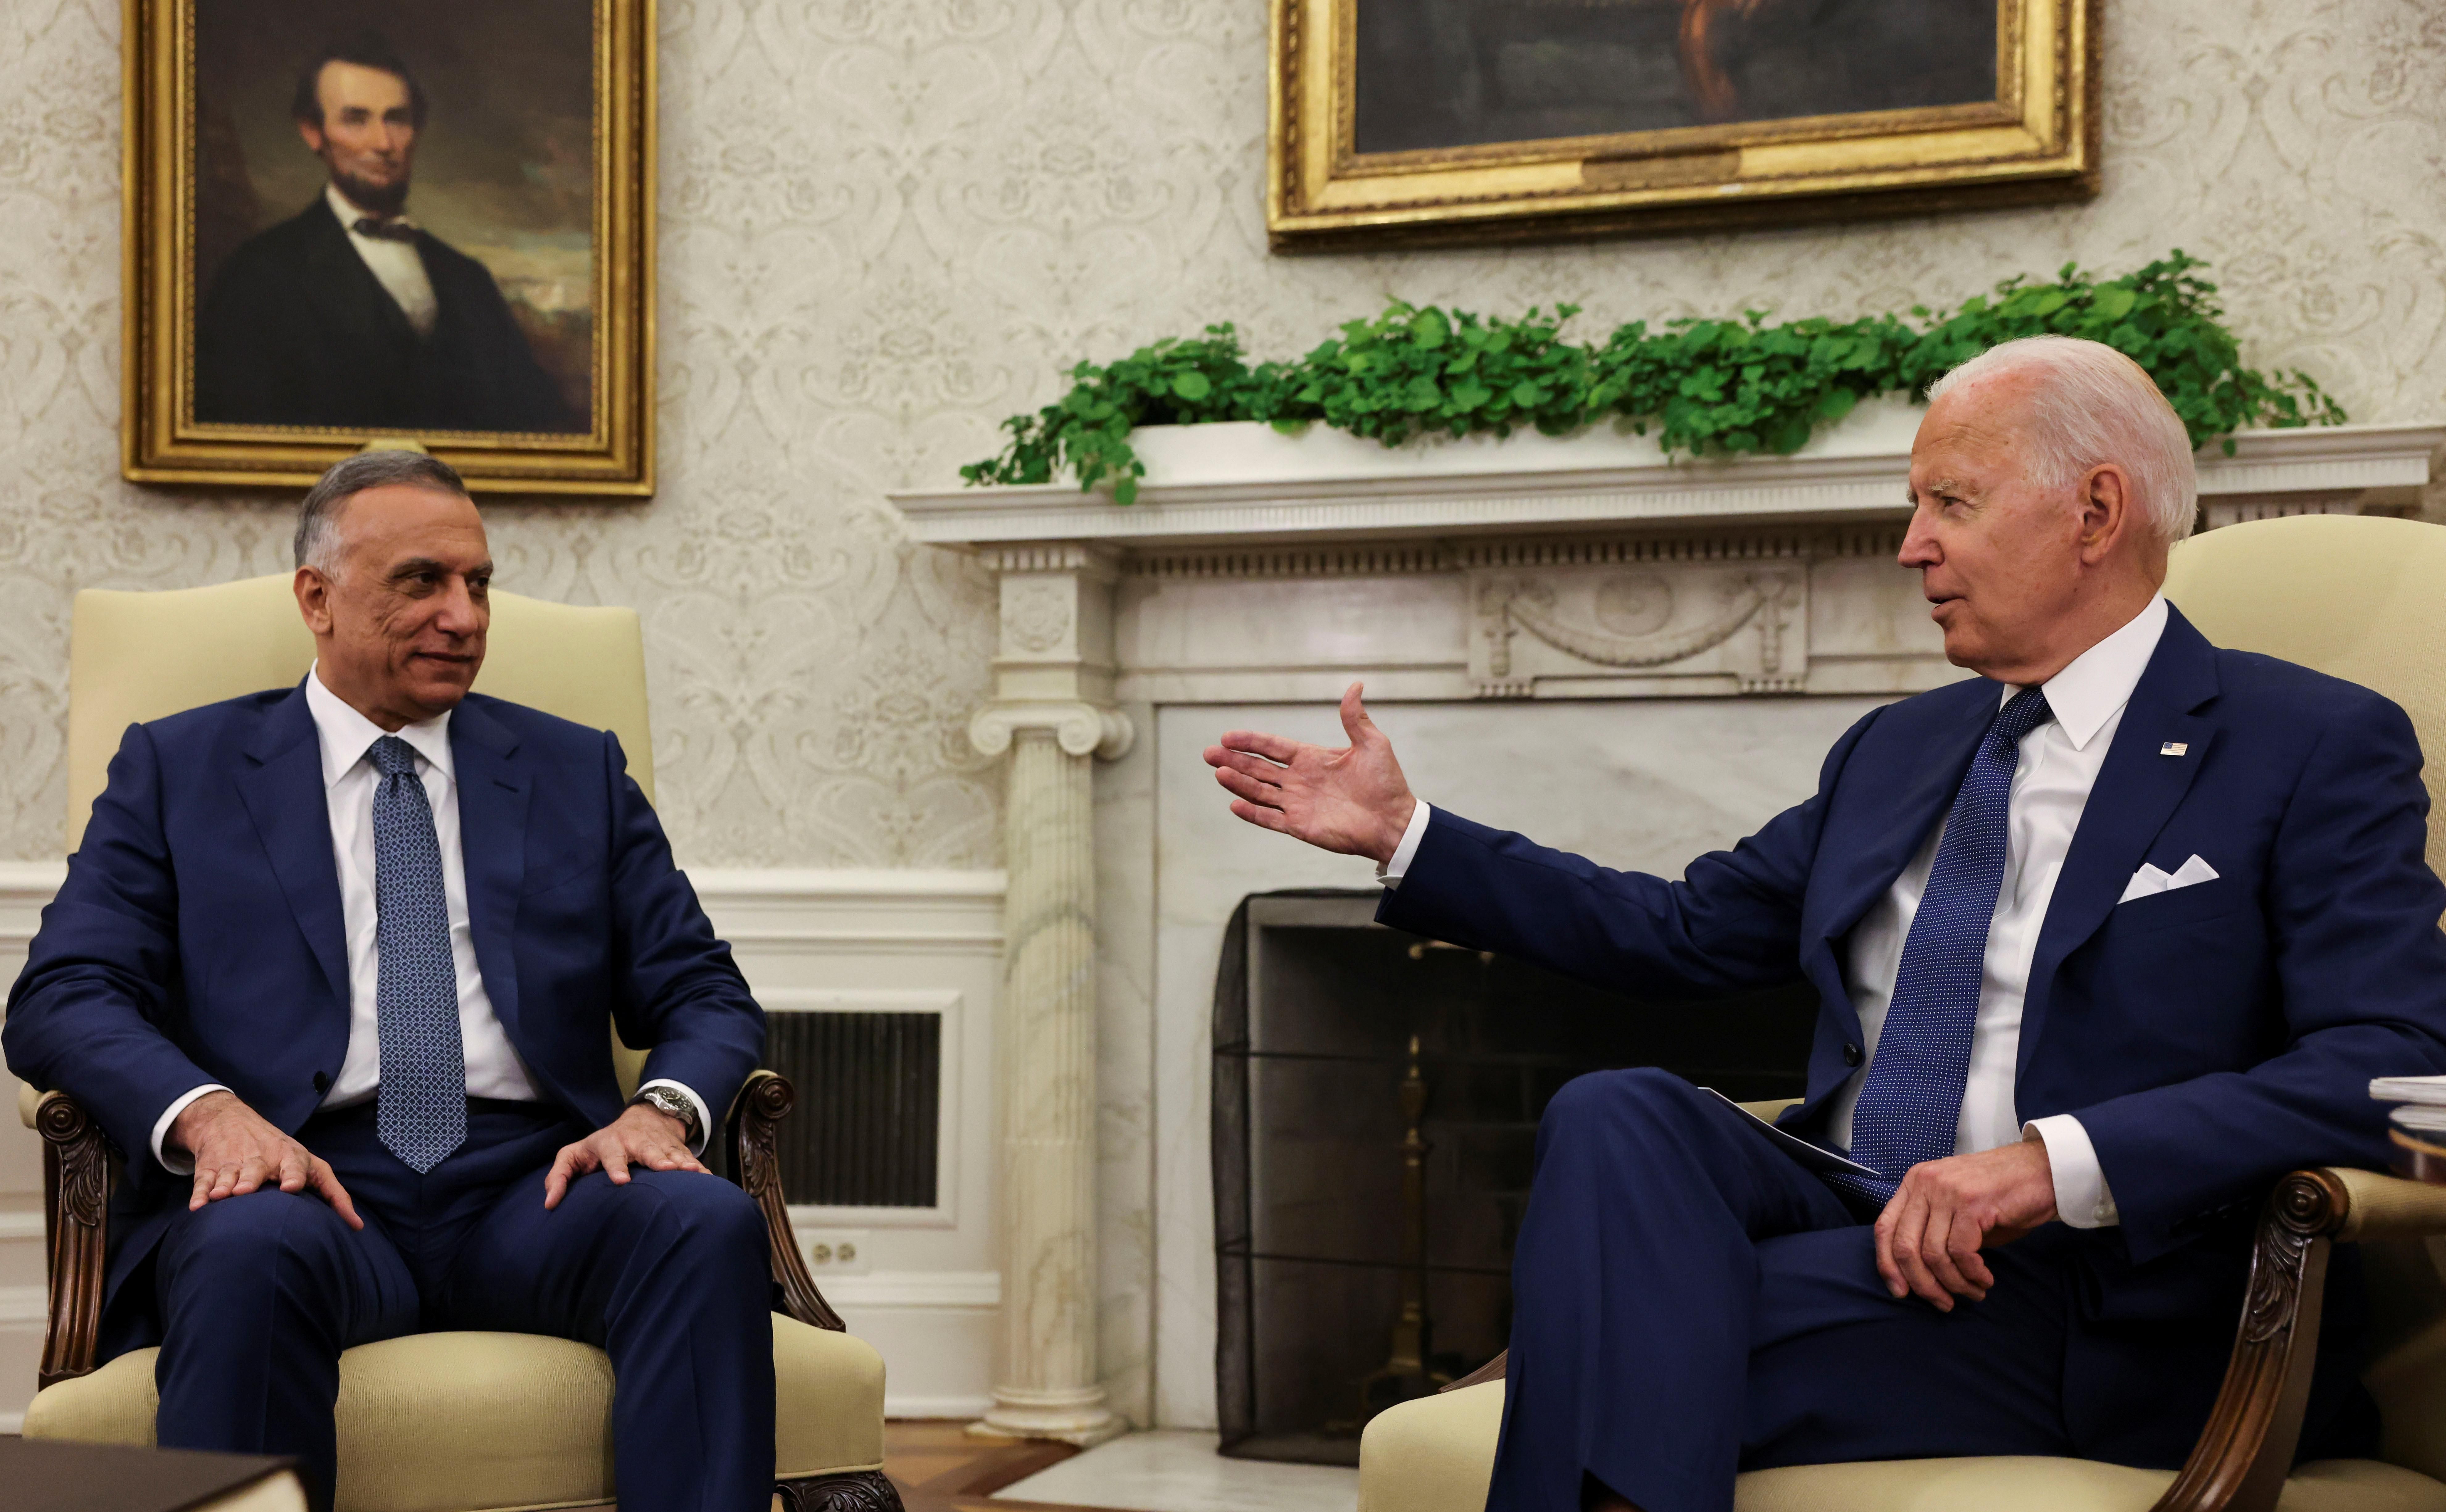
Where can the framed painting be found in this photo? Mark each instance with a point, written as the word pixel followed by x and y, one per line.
pixel 411 222
pixel 1407 121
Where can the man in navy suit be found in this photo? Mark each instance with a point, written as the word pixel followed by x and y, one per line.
pixel 336 968
pixel 2106 939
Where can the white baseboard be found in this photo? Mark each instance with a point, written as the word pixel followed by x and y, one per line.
pixel 21 1226
pixel 953 1289
pixel 962 1409
pixel 13 1422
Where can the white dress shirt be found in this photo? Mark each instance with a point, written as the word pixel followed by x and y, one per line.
pixel 2057 765
pixel 495 1068
pixel 397 264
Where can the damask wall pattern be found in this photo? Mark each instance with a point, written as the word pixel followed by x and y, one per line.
pixel 885 226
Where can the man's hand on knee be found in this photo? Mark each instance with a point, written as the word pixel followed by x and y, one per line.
pixel 236 1151
pixel 1947 1211
pixel 640 1136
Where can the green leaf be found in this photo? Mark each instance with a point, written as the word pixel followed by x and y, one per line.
pixel 1191 386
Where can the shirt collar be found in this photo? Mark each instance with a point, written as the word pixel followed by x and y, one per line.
pixel 349 213
pixel 2099 682
pixel 345 735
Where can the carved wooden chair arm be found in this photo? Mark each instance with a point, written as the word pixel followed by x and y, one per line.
pixel 753 1131
pixel 2246 1450
pixel 76 1213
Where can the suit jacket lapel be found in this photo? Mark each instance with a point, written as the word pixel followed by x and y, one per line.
pixel 494 787
pixel 2135 793
pixel 283 795
pixel 1892 834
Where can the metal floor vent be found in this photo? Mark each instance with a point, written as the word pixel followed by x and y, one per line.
pixel 864 1131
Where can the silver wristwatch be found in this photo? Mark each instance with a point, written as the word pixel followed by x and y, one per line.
pixel 667 1100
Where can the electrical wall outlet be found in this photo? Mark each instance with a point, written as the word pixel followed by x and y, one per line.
pixel 834 1251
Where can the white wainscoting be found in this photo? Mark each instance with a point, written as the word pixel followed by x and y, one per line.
pixel 922 1289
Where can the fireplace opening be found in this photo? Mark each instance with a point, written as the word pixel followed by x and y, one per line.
pixel 1376 1106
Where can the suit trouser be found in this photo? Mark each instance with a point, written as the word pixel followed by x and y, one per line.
pixel 1689 1303
pixel 259 1294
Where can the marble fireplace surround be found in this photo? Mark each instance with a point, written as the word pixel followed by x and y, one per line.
pixel 1629 655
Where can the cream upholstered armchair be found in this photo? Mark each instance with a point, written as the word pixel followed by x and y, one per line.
pixel 2363 599
pixel 458 1422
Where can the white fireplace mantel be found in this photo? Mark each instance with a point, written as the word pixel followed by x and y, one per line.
pixel 1247 483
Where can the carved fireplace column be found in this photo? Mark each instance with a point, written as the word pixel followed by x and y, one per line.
pixel 1053 712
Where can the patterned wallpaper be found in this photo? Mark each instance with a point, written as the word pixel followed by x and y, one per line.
pixel 884 226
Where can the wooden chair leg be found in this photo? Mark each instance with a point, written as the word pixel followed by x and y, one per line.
pixel 859 1491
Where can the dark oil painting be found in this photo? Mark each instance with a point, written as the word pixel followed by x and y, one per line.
pixel 394 215
pixel 1452 74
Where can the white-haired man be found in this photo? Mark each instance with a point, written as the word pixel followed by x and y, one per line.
pixel 2106 939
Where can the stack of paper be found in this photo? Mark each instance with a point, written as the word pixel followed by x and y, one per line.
pixel 2422 1100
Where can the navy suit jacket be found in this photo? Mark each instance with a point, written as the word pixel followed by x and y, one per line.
pixel 2209 1039
pixel 198 935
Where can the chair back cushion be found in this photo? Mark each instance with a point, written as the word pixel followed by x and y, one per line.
pixel 135 657
pixel 2359 597
pixel 2363 598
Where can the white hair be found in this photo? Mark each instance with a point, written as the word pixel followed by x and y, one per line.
pixel 2092 405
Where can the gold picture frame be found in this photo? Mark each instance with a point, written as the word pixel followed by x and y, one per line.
pixel 1429 176
pixel 545 176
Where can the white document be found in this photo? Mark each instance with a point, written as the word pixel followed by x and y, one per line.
pixel 1810 1157
pixel 2148 882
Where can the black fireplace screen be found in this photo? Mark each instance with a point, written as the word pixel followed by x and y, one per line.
pixel 1346 1053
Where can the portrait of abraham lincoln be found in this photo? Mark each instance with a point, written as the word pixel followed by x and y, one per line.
pixel 394 216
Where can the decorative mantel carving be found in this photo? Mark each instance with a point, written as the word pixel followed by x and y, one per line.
pixel 1586 623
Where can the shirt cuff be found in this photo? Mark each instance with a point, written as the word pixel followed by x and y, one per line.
pixel 2081 1197
pixel 703 1119
pixel 1390 872
pixel 180 1164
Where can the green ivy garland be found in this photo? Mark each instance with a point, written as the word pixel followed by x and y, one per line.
pixel 1710 387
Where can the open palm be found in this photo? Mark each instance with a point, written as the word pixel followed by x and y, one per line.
pixel 1353 800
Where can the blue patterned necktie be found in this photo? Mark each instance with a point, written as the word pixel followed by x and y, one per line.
pixel 1910 1105
pixel 424 1098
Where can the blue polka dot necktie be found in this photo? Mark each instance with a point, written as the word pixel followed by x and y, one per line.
pixel 1910 1105
pixel 423 1115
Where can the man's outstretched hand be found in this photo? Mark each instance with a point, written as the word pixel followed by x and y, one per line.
pixel 640 1136
pixel 1947 1211
pixel 237 1151
pixel 1353 800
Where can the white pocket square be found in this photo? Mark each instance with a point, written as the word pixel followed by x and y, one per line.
pixel 2148 882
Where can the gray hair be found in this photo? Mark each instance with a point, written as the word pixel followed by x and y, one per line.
pixel 2094 406
pixel 318 540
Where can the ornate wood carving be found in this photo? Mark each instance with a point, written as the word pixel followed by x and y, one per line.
pixel 859 1491
pixel 76 1203
pixel 2246 1450
pixel 755 1156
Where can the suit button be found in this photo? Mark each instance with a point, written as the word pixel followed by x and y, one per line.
pixel 322 1083
pixel 1852 1055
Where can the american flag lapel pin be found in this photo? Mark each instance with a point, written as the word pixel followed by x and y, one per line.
pixel 2173 748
